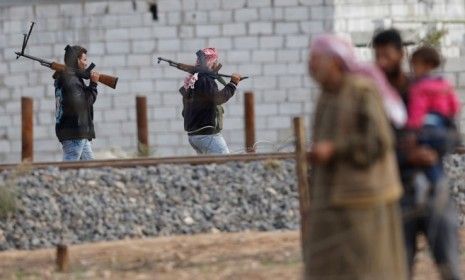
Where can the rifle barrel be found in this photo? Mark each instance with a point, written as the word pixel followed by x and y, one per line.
pixel 164 59
pixel 42 61
pixel 173 63
pixel 229 76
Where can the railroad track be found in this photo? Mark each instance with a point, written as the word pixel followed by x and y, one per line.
pixel 134 162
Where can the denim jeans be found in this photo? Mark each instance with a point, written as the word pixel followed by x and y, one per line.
pixel 438 222
pixel 209 144
pixel 78 149
pixel 437 137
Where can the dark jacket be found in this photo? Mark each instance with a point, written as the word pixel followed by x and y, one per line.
pixel 202 110
pixel 74 102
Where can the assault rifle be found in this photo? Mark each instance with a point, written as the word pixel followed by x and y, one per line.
pixel 104 79
pixel 201 68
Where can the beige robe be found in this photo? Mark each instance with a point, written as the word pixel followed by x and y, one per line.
pixel 355 224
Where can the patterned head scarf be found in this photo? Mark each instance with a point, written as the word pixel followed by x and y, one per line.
pixel 211 56
pixel 337 47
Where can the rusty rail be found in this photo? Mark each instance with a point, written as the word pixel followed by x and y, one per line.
pixel 134 162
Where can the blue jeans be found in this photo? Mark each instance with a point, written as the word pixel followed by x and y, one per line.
pixel 209 144
pixel 78 149
pixel 436 137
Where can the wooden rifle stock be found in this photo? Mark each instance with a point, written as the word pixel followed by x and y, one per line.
pixel 104 79
pixel 108 80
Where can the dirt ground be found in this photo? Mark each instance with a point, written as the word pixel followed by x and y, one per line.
pixel 246 255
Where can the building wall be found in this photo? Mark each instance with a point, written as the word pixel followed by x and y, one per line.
pixel 264 39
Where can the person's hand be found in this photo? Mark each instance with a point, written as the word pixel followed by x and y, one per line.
pixel 422 156
pixel 323 152
pixel 235 78
pixel 94 76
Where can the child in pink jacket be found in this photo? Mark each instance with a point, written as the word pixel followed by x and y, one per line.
pixel 429 94
pixel 433 106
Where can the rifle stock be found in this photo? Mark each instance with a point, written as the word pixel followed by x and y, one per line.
pixel 107 80
pixel 57 67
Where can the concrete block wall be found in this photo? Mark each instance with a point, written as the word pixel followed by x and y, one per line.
pixel 264 39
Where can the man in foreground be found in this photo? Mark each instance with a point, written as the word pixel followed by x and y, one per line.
pixel 355 224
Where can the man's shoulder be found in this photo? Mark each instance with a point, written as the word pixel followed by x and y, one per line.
pixel 403 84
pixel 204 82
pixel 360 84
pixel 68 76
pixel 206 77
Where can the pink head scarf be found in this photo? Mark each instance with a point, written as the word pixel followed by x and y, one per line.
pixel 335 46
pixel 211 57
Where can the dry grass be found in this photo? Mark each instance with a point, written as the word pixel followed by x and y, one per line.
pixel 245 255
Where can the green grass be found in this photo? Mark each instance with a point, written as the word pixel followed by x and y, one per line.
pixel 8 191
pixel 7 200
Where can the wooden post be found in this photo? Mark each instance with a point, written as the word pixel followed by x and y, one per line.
pixel 62 259
pixel 27 132
pixel 249 111
pixel 142 126
pixel 303 185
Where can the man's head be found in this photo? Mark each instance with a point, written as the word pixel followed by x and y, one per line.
pixel 325 69
pixel 76 57
pixel 389 52
pixel 330 58
pixel 211 57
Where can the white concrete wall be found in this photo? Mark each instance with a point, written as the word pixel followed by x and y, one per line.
pixel 264 39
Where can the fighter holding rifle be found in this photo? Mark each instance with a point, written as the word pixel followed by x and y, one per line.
pixel 74 125
pixel 202 100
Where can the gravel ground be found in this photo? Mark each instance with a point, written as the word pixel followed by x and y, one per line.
pixel 87 205
pixel 107 204
pixel 455 166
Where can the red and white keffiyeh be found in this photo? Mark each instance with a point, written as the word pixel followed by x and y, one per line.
pixel 211 56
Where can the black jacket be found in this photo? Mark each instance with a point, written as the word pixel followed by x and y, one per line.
pixel 74 104
pixel 202 111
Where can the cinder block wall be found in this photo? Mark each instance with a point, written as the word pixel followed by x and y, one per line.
pixel 264 39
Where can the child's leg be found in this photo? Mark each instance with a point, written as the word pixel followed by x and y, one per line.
pixel 435 173
pixel 435 137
